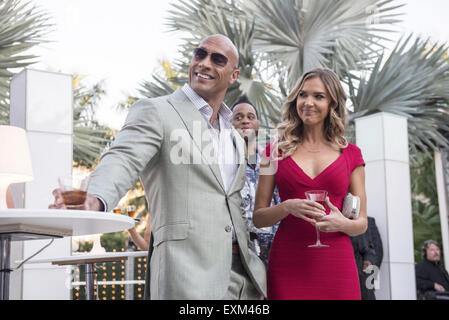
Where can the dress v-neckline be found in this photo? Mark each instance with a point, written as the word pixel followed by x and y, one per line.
pixel 323 171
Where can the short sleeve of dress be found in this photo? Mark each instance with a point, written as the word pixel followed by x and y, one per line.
pixel 356 158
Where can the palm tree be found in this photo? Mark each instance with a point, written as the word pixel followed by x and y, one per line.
pixel 201 18
pixel 22 26
pixel 90 138
pixel 278 40
pixel 412 82
pixel 301 35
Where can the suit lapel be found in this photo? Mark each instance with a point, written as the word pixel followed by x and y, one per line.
pixel 197 128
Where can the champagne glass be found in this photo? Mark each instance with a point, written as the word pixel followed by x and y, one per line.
pixel 320 197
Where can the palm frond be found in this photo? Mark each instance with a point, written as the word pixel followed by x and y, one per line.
pixel 301 35
pixel 278 40
pixel 22 26
pixel 208 17
pixel 90 138
pixel 426 215
pixel 413 82
pixel 157 88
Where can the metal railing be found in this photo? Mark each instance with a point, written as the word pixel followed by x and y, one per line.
pixel 128 284
pixel 75 279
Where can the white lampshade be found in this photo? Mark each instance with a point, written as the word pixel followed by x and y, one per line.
pixel 15 162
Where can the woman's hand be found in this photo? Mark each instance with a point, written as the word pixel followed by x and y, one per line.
pixel 335 221
pixel 307 210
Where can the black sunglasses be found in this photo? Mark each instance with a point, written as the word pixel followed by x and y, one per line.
pixel 217 58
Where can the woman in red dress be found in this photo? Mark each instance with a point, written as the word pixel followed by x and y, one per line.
pixel 311 153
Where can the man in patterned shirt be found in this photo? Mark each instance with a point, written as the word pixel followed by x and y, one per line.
pixel 245 120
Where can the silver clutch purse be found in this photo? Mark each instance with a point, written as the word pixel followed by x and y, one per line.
pixel 351 206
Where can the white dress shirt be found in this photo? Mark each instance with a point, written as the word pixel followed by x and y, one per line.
pixel 222 139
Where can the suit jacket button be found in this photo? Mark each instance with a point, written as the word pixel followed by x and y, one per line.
pixel 228 229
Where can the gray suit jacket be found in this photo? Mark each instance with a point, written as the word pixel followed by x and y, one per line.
pixel 165 142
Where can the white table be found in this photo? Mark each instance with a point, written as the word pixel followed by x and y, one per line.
pixel 30 224
pixel 89 260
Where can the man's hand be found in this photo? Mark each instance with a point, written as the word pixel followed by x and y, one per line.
pixel 438 287
pixel 92 203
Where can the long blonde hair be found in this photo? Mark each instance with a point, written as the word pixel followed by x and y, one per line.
pixel 291 130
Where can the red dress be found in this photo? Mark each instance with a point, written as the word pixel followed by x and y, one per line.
pixel 296 272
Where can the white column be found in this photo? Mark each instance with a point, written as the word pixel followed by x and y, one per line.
pixel 441 171
pixel 41 103
pixel 383 139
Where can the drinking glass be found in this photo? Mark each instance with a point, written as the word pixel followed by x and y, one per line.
pixel 320 197
pixel 131 210
pixel 117 210
pixel 73 191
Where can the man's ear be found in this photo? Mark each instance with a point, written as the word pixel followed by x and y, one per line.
pixel 235 75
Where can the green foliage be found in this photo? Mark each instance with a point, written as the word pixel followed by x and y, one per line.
pixel 426 215
pixel 278 40
pixel 158 87
pixel 115 240
pixel 22 26
pixel 90 138
pixel 111 271
pixel 139 200
pixel 85 246
pixel 426 225
pixel 301 35
pixel 423 178
pixel 109 241
pixel 412 83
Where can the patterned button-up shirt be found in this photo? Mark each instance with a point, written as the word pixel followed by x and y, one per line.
pixel 264 235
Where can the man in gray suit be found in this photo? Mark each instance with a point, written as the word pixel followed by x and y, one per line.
pixel 191 163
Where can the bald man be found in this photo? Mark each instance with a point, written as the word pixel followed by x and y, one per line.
pixel 191 163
